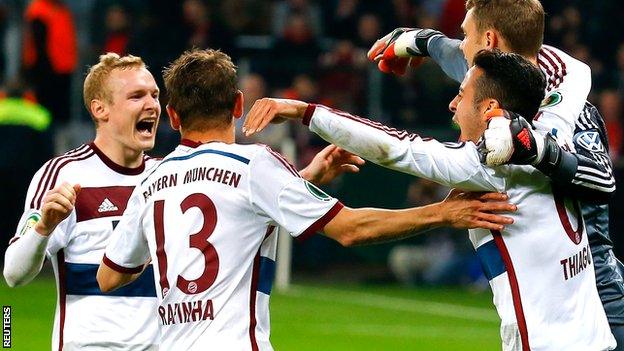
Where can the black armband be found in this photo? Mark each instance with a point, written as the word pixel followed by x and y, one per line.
pixel 559 165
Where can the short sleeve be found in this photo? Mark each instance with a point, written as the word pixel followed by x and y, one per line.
pixel 128 250
pixel 277 190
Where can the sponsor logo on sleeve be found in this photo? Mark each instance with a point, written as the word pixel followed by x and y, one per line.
pixel 590 141
pixel 551 100
pixel 316 192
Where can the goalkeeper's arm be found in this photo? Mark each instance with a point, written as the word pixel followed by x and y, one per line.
pixel 402 43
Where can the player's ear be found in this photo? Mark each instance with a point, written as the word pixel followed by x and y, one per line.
pixel 491 39
pixel 99 110
pixel 490 104
pixel 174 118
pixel 239 102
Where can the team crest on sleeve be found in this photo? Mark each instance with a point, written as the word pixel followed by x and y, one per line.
pixel 316 192
pixel 30 222
pixel 551 100
pixel 590 141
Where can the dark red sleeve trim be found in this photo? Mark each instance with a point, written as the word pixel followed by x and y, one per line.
pixel 307 115
pixel 321 222
pixel 114 266
pixel 14 239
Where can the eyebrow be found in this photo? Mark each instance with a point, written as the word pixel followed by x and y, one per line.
pixel 141 90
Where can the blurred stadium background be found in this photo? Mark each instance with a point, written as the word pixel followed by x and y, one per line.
pixel 425 293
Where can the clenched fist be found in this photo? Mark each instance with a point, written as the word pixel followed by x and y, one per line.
pixel 58 203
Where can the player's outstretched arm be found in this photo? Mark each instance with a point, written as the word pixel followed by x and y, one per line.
pixel 330 163
pixel 408 46
pixel 454 164
pixel 24 257
pixel 459 210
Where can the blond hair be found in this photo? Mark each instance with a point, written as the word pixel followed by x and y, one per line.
pixel 95 86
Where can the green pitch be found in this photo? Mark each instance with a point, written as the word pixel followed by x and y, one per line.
pixel 320 317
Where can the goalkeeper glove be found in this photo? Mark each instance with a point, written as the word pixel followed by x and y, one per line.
pixel 401 47
pixel 510 138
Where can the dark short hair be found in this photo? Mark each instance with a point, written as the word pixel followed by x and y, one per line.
pixel 517 84
pixel 201 85
pixel 519 22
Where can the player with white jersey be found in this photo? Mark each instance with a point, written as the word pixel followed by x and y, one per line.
pixel 71 224
pixel 581 167
pixel 73 203
pixel 205 217
pixel 84 316
pixel 540 268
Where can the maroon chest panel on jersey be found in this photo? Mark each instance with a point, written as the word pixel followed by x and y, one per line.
pixel 102 202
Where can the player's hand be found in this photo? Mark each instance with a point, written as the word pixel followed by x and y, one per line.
pixel 510 138
pixel 328 164
pixel 270 110
pixel 400 48
pixel 57 204
pixel 467 210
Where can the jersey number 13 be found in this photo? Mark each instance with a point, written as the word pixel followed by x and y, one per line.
pixel 197 240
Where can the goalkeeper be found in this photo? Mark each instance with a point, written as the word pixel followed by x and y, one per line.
pixel 582 167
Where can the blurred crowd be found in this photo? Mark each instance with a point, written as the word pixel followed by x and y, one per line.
pixel 301 49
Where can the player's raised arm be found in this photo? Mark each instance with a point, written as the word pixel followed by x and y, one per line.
pixel 409 46
pixel 24 257
pixel 450 164
pixel 459 210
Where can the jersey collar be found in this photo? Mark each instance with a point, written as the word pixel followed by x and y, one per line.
pixel 190 143
pixel 115 167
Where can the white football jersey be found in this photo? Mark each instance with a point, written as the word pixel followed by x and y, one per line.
pixel 205 216
pixel 86 318
pixel 568 82
pixel 540 267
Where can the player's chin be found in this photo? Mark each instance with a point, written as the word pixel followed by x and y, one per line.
pixel 144 142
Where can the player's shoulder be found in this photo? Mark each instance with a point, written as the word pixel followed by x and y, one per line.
pixel 267 156
pixel 247 153
pixel 562 70
pixel 559 57
pixel 57 166
pixel 151 162
pixel 66 167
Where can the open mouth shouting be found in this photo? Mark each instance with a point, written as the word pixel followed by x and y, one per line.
pixel 146 127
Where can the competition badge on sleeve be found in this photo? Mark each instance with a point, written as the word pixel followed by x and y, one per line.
pixel 28 222
pixel 316 192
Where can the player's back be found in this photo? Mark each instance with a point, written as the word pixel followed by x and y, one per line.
pixel 212 246
pixel 541 271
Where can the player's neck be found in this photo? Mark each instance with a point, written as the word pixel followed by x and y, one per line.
pixel 223 135
pixel 119 154
pixel 533 60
